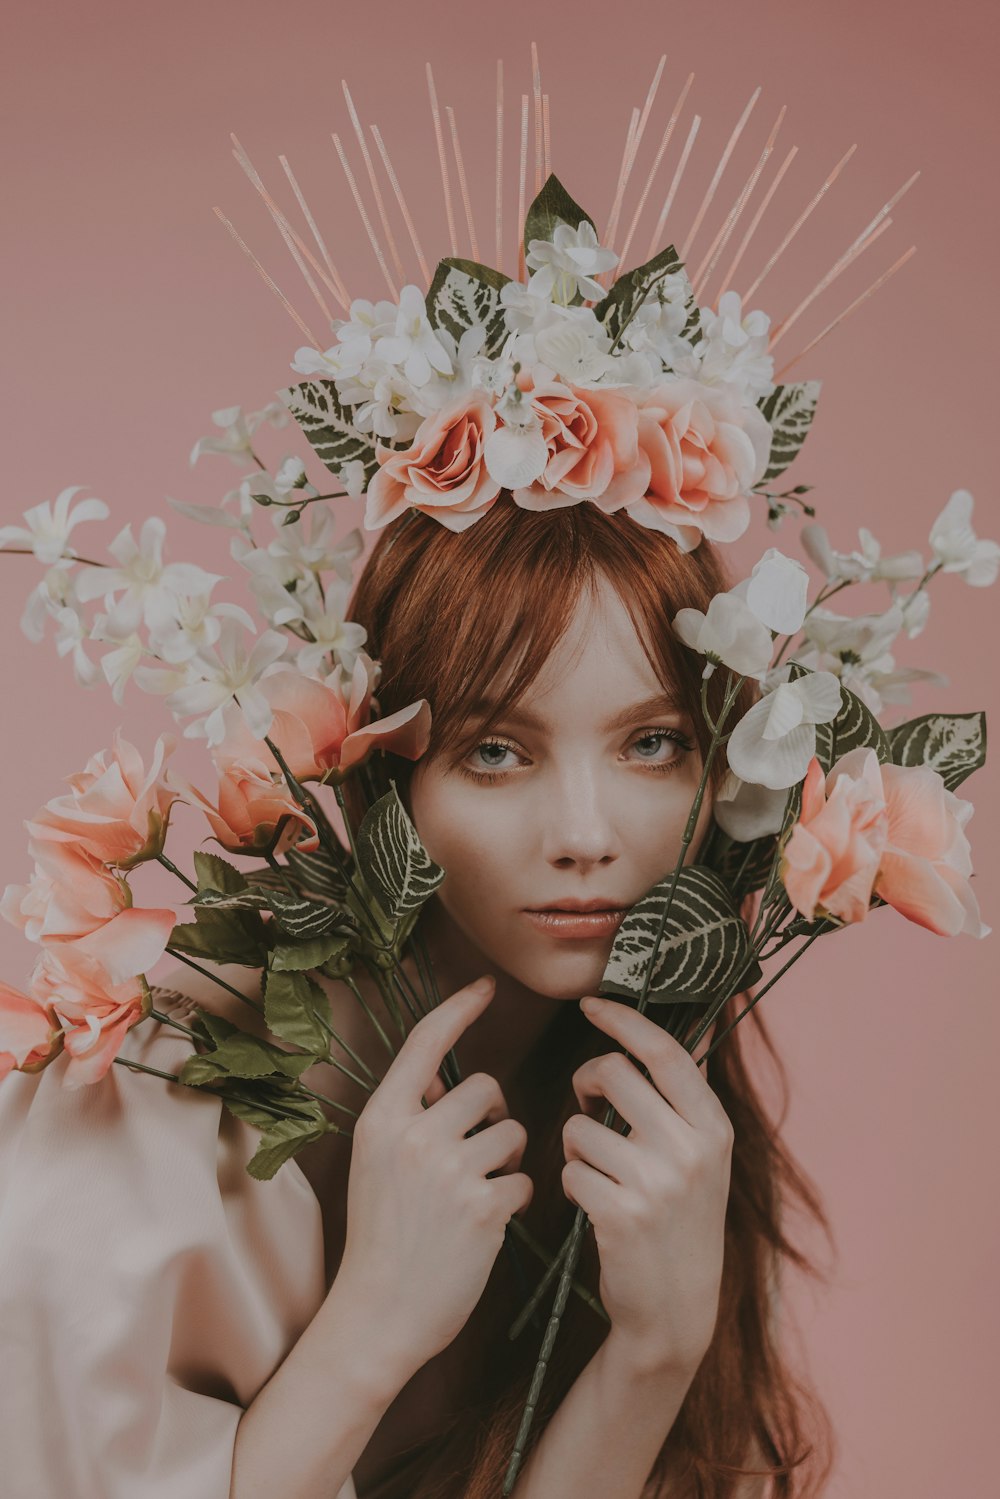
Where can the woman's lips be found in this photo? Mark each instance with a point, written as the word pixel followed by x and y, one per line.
pixel 577 924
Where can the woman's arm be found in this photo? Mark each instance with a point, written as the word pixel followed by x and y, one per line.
pixel 604 1437
pixel 305 1430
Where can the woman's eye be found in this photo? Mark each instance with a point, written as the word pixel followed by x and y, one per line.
pixel 492 755
pixel 649 747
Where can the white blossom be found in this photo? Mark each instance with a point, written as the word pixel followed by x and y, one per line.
pixel 180 627
pixel 238 430
pixel 957 547
pixel 71 633
pixel 728 634
pixel 56 591
pixel 776 592
pixel 356 336
pixel 308 546
pixel 733 349
pixel 857 651
pixel 49 525
pixel 746 811
pixel 413 344
pixel 568 262
pixel 141 577
pixel 331 631
pixel 216 676
pixel 658 323
pixel 865 565
pixel 774 741
pixel 118 665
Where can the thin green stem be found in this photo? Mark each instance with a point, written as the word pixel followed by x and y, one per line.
pixel 369 1012
pixel 29 552
pixel 182 957
pixel 171 1077
pixel 168 864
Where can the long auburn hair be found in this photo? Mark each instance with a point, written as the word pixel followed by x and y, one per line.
pixel 445 614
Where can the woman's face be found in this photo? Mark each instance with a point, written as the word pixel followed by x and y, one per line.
pixel 580 795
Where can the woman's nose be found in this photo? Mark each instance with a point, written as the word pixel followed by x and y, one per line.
pixel 577 823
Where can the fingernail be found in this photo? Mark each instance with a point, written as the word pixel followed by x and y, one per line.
pixel 589 1004
pixel 481 985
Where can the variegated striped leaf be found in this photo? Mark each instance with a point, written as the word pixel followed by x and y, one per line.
pixel 704 949
pixel 953 744
pixel 855 727
pixel 789 409
pixel 742 867
pixel 316 871
pixel 329 425
pixel 465 294
pixel 302 917
pixel 394 862
pixel 619 307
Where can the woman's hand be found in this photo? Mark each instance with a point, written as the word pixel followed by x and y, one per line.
pixel 656 1197
pixel 425 1219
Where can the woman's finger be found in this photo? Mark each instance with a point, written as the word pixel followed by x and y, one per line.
pixel 588 1140
pixel 673 1070
pixel 613 1079
pixel 590 1190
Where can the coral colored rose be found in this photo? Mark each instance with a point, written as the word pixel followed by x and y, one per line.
pixel 831 858
pixel 252 802
pixel 322 729
pixel 117 810
pixel 593 449
pixel 706 450
pixel 442 472
pixel 927 862
pixel 95 1013
pixel 73 903
pixel 30 1036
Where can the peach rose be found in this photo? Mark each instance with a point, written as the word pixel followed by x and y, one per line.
pixel 593 451
pixel 442 472
pixel 95 1013
pixel 30 1035
pixel 252 803
pixel 117 810
pixel 927 862
pixel 706 449
pixel 831 858
pixel 322 729
pixel 73 903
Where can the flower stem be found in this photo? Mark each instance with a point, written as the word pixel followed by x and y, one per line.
pixel 174 953
pixel 168 864
pixel 171 1077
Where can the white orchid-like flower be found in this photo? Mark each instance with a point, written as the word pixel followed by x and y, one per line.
pixel 71 634
pixel 148 582
pixel 56 591
pixel 332 632
pixel 356 337
pixel 857 651
pixel 215 677
pixel 382 400
pixel 516 452
pixel 568 262
pixel 957 547
pixel 352 475
pixel 309 547
pixel 865 565
pixel 120 664
pixel 288 478
pixel 180 627
pixel 916 607
pixel 733 349
pixel 776 592
pixel 237 431
pixel 728 634
pixel 276 581
pixel 746 811
pixel 49 525
pixel 413 344
pixel 658 323
pixel 774 741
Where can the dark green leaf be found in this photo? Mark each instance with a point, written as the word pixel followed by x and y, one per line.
pixel 329 425
pixel 465 294
pixel 213 873
pixel 742 867
pixel 313 952
pixel 619 307
pixel 284 1140
pixel 552 206
pixel 301 917
pixel 316 872
pixel 790 410
pixel 393 861
pixel 703 953
pixel 223 937
pixel 294 1008
pixel 953 744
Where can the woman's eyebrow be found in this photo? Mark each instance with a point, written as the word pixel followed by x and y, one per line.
pixel 658 703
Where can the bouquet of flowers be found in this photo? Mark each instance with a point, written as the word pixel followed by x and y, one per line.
pixel 556 389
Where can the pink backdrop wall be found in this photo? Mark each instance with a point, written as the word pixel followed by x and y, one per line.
pixel 130 316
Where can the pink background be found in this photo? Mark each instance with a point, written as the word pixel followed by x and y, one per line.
pixel 131 315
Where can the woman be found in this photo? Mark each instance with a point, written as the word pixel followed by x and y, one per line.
pixel 566 748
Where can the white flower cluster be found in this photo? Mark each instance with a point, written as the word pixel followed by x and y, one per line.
pixel 157 619
pixel 394 368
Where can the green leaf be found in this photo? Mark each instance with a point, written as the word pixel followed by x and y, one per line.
pixel 855 727
pixel 704 950
pixel 294 1006
pixel 213 873
pixel 393 861
pixel 953 744
pixel 774 889
pixel 316 872
pixel 243 1055
pixel 553 206
pixel 465 294
pixel 300 916
pixel 742 867
pixel 329 425
pixel 313 952
pixel 223 937
pixel 790 410
pixel 240 900
pixel 619 307
pixel 283 1140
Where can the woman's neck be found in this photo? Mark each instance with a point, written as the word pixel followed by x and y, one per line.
pixel 514 1020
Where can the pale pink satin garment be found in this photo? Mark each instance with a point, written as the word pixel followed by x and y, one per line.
pixel 149 1287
